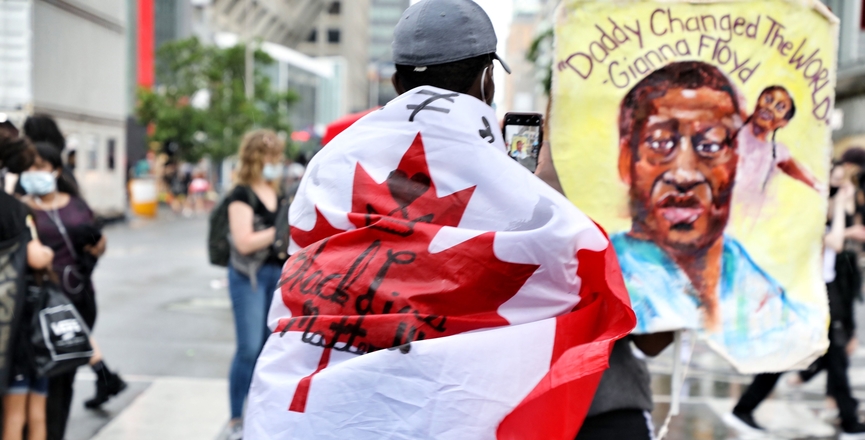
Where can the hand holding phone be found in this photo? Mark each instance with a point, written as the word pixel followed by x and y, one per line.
pixel 523 133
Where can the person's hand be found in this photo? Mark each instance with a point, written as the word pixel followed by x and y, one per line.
pixel 97 249
pixel 852 345
pixel 546 171
pixel 822 189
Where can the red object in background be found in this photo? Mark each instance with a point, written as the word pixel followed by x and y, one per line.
pixel 301 136
pixel 146 43
pixel 862 21
pixel 338 126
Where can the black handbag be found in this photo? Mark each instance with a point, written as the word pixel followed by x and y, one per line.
pixel 59 337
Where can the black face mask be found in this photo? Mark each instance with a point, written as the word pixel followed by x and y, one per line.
pixel 833 190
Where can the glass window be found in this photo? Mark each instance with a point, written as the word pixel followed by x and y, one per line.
pixel 313 35
pixel 110 155
pixel 92 151
pixel 335 8
pixel 333 35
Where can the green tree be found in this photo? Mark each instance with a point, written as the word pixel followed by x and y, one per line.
pixel 540 54
pixel 200 104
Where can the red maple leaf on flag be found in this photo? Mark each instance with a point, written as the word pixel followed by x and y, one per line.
pixel 379 286
pixel 381 280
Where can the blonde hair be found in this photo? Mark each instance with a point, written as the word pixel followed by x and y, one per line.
pixel 256 147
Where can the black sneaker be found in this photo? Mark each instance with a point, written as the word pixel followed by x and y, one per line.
pixel 106 387
pixel 743 423
pixel 855 431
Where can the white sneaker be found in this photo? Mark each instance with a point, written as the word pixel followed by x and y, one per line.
pixel 743 426
pixel 235 432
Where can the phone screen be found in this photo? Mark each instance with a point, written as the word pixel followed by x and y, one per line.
pixel 524 144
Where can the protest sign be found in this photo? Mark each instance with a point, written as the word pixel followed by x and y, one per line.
pixel 697 134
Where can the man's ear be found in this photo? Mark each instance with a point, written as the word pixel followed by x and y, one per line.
pixel 626 157
pixel 397 84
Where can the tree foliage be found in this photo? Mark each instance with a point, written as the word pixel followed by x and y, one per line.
pixel 200 105
pixel 540 54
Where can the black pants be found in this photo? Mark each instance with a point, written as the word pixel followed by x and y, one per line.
pixel 835 362
pixel 58 404
pixel 757 392
pixel 630 424
pixel 60 387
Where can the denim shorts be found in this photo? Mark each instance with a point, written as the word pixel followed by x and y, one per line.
pixel 22 384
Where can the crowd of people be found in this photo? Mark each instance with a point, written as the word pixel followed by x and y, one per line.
pixel 43 210
pixel 64 242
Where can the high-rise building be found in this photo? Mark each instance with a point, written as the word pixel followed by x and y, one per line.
pixel 342 30
pixel 66 59
pixel 524 87
pixel 383 17
pixel 850 91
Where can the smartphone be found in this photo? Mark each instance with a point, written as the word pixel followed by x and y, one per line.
pixel 524 136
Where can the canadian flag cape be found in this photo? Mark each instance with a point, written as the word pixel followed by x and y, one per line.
pixel 436 290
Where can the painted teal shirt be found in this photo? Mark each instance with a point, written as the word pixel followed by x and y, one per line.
pixel 755 314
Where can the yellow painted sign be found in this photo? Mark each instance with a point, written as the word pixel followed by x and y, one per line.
pixel 697 134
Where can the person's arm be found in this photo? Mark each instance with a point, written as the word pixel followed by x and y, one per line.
pixel 245 239
pixel 39 256
pixel 97 249
pixel 834 239
pixel 798 172
pixel 546 171
pixel 654 343
pixel 856 233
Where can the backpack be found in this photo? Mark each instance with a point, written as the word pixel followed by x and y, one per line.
pixel 218 244
pixel 218 248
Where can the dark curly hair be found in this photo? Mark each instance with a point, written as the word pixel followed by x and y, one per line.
pixel 16 154
pixel 457 76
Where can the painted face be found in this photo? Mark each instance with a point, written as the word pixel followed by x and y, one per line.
pixel 772 109
pixel 683 164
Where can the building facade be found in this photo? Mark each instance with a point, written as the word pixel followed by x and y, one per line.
pixel 342 30
pixel 523 89
pixel 383 18
pixel 69 62
pixel 850 92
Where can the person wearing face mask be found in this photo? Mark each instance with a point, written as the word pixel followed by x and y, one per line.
pixel 255 263
pixel 25 393
pixel 67 225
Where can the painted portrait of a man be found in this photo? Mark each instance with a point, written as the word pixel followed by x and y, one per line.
pixel 678 155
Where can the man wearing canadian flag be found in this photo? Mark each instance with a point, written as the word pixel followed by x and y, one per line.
pixel 436 289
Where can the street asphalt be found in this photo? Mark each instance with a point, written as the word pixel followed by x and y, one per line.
pixel 164 313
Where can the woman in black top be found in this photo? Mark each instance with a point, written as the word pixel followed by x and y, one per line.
pixel 255 265
pixel 25 397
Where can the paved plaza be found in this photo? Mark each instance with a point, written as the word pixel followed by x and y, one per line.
pixel 165 323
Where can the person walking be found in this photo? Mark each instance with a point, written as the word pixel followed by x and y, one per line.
pixel 67 225
pixel 25 396
pixel 255 265
pixel 841 334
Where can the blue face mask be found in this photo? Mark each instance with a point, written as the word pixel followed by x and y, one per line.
pixel 271 172
pixel 38 183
